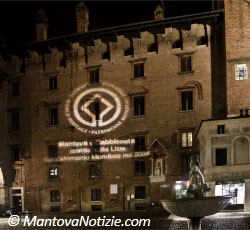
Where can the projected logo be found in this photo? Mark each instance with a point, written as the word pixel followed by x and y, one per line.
pixel 97 109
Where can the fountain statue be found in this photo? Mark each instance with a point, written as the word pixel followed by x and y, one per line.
pixel 196 205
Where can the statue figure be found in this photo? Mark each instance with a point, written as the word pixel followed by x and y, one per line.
pixel 197 185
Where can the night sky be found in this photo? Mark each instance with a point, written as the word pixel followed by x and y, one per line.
pixel 17 18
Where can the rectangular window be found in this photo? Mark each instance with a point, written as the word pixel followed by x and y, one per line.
pixel 53 172
pixel 221 129
pixel 14 119
pixel 140 192
pixel 138 69
pixel 221 157
pixel 15 89
pixel 15 151
pixel 17 175
pixel 53 116
pixel 55 196
pixel 185 63
pixel 139 105
pixel 96 194
pixel 95 170
pixel 140 144
pixel 53 150
pixel 185 164
pixel 140 167
pixel 52 83
pixel 186 139
pixel 94 76
pixel 187 100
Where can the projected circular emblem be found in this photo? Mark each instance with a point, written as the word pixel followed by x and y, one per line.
pixel 97 109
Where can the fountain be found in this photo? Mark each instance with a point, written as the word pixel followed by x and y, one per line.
pixel 196 205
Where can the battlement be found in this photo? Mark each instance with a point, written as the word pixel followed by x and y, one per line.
pixel 113 49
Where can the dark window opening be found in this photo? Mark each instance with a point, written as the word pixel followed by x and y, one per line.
pixel 53 172
pixel 138 70
pixel 96 194
pixel 186 100
pixel 96 208
pixel 53 151
pixel 95 170
pixel 177 44
pixel 63 60
pixel 15 121
pixel 129 51
pixel 55 196
pixel 140 144
pixel 15 88
pixel 202 41
pixel 53 83
pixel 140 192
pixel 53 116
pixel 22 68
pixel 153 48
pixel 106 55
pixel 221 157
pixel 185 164
pixel 140 167
pixel 221 129
pixel 16 153
pixel 94 76
pixel 186 63
pixel 139 105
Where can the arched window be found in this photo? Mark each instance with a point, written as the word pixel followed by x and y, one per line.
pixel 241 151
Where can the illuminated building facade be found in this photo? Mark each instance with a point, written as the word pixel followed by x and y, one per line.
pixel 106 120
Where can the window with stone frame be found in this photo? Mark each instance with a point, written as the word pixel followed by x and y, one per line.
pixel 95 170
pixel 94 76
pixel 53 83
pixel 139 105
pixel 96 194
pixel 140 167
pixel 187 100
pixel 221 129
pixel 14 120
pixel 220 156
pixel 138 69
pixel 52 150
pixel 53 115
pixel 55 196
pixel 140 143
pixel 185 63
pixel 17 175
pixel 53 173
pixel 140 192
pixel 186 139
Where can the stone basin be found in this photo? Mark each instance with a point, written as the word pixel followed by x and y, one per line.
pixel 196 207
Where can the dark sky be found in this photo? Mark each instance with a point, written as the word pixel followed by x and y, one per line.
pixel 17 18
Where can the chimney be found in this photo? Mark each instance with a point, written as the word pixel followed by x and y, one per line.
pixel 82 18
pixel 41 21
pixel 159 13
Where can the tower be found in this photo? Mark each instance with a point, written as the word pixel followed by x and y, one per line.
pixel 82 18
pixel 41 21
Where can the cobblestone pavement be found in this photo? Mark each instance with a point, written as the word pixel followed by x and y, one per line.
pixel 219 221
